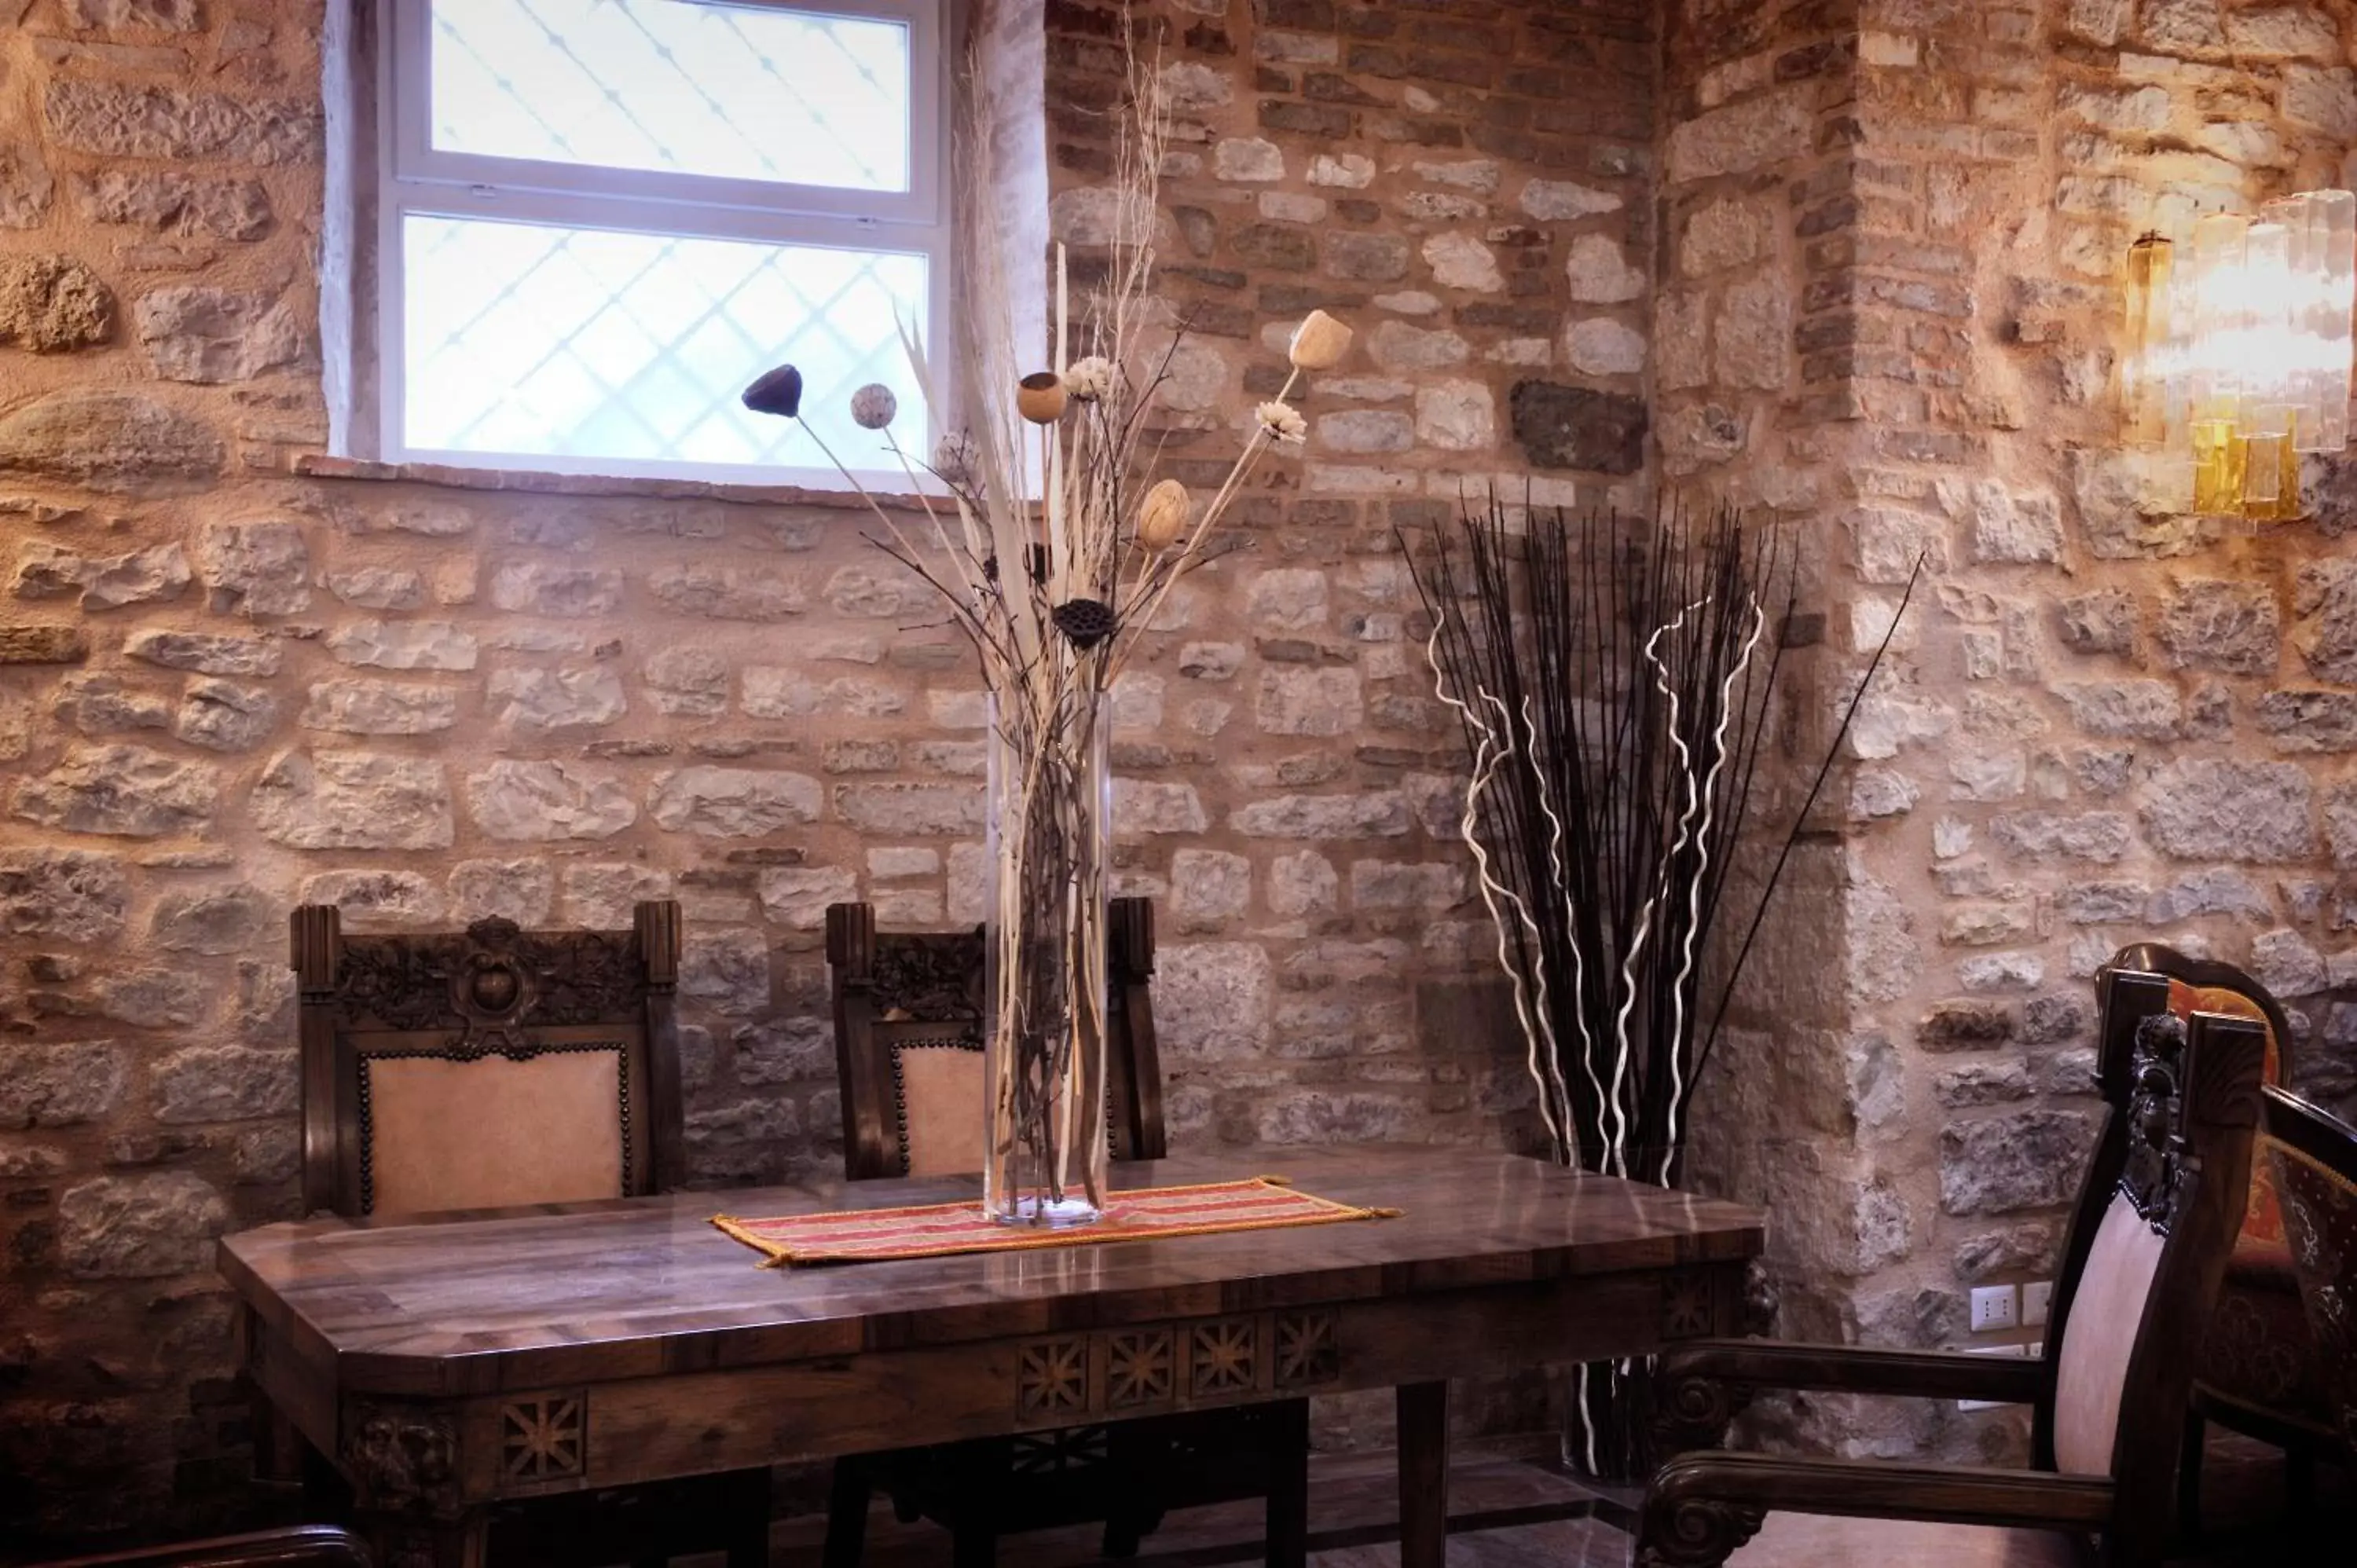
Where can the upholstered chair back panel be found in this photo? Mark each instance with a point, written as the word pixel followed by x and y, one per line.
pixel 940 1090
pixel 439 1133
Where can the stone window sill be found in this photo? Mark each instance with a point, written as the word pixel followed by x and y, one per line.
pixel 321 466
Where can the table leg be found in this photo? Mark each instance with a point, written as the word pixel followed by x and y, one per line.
pixel 405 1541
pixel 1423 1473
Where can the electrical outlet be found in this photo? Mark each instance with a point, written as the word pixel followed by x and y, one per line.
pixel 1994 1308
pixel 2014 1352
pixel 2035 1298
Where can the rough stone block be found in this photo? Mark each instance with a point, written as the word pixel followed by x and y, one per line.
pixel 43 645
pixel 380 707
pixel 60 1085
pixel 214 336
pixel 2143 710
pixel 1742 137
pixel 175 203
pixel 53 304
pixel 729 593
pixel 110 441
pixel 403 645
pixel 1564 427
pixel 544 700
pixel 254 568
pixel 2222 624
pixel 124 790
pixel 205 652
pixel 118 120
pixel 1308 700
pixel 353 799
pixel 1600 346
pixel 217 920
pixel 728 970
pixel 797 897
pixel 223 715
pixel 226 1083
pixel 116 1227
pixel 1456 416
pixel 537 587
pixel 524 891
pixel 917 810
pixel 2199 809
pixel 1999 1164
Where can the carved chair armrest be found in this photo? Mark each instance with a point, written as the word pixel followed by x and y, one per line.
pixel 1703 1384
pixel 1701 1506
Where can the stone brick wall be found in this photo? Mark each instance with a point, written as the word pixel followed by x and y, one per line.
pixel 2103 723
pixel 232 678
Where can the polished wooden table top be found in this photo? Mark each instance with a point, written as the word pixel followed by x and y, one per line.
pixel 647 1288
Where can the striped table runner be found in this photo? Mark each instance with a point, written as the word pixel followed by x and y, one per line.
pixel 934 1231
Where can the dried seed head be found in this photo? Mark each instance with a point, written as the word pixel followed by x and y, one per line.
pixel 1040 397
pixel 1320 342
pixel 1282 421
pixel 777 391
pixel 1162 520
pixel 873 407
pixel 1089 379
pixel 1084 622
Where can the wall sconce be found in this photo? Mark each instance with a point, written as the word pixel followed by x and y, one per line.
pixel 2239 350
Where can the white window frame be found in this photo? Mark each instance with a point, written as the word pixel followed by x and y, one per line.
pixel 414 178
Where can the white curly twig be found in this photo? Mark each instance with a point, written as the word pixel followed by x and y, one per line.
pixel 1486 759
pixel 1708 793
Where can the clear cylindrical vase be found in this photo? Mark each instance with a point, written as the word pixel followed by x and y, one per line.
pixel 1049 845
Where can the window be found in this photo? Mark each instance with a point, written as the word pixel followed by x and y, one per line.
pixel 602 217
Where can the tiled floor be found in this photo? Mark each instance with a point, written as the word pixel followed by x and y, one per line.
pixel 1352 1500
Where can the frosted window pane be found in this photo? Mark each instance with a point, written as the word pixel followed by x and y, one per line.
pixel 735 91
pixel 536 341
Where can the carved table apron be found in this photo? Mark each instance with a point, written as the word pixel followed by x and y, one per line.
pixel 452 1363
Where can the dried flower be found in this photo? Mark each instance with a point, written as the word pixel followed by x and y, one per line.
pixel 1089 379
pixel 873 407
pixel 1084 622
pixel 1282 421
pixel 1040 397
pixel 955 457
pixel 1164 516
pixel 777 391
pixel 1318 342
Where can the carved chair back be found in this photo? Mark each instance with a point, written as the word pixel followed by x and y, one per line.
pixel 2256 1370
pixel 2311 1154
pixel 2157 1213
pixel 486 1068
pixel 907 1039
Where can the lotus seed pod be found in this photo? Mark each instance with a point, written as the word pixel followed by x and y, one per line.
pixel 1163 519
pixel 873 407
pixel 1320 342
pixel 1040 398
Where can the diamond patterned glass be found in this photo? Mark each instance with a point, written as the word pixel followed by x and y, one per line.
pixel 538 341
pixel 736 92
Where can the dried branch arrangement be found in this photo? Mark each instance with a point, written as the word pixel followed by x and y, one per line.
pixel 1052 548
pixel 1615 682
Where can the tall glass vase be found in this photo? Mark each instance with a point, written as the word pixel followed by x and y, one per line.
pixel 1050 824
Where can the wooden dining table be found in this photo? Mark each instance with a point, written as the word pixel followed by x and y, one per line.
pixel 450 1363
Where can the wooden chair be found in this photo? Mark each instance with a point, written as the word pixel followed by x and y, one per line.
pixel 2255 1371
pixel 2310 1154
pixel 301 1546
pixel 2148 1244
pixel 908 1018
pixel 498 1067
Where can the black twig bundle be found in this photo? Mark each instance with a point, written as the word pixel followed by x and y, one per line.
pixel 1615 682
